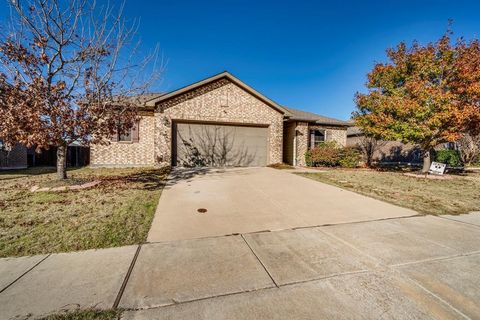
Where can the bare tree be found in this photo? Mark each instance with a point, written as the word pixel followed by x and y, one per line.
pixel 469 146
pixel 69 72
pixel 368 146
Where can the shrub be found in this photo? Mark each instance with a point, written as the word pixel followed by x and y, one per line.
pixel 450 157
pixel 349 157
pixel 308 158
pixel 327 154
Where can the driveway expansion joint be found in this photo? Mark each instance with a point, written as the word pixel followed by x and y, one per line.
pixel 127 277
pixel 23 274
pixel 325 277
pixel 176 303
pixel 455 256
pixel 260 261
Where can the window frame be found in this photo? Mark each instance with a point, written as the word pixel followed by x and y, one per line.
pixel 313 142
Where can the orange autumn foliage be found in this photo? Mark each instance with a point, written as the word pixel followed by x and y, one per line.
pixel 424 95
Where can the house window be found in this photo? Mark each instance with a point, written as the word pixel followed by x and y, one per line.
pixel 317 137
pixel 131 135
pixel 126 137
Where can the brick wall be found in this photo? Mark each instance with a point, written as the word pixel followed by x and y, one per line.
pixel 301 142
pixel 126 154
pixel 337 134
pixel 15 158
pixel 219 101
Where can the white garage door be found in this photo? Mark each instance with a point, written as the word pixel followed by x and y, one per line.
pixel 219 145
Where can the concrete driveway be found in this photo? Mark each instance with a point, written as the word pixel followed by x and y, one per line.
pixel 247 200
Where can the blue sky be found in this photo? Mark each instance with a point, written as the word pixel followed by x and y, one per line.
pixel 311 55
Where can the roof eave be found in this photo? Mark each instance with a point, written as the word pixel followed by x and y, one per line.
pixel 337 124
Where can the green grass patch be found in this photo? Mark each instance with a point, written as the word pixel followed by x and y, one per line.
pixel 456 195
pixel 117 212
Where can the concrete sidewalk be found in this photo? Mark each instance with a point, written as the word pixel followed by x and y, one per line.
pixel 404 268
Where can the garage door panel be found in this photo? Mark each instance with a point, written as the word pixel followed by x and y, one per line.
pixel 220 145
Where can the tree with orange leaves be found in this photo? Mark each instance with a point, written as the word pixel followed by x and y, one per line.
pixel 425 95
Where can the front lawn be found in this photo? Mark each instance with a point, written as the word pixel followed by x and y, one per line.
pixel 116 212
pixel 454 195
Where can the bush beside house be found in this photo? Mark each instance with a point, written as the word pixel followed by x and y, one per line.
pixel 349 157
pixel 329 154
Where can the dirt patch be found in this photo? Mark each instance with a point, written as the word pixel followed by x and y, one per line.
pixel 281 166
pixel 82 186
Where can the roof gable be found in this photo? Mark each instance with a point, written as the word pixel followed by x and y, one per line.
pixel 223 75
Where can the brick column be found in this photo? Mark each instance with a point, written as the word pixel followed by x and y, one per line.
pixel 302 137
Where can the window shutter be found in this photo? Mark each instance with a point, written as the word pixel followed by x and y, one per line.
pixel 135 135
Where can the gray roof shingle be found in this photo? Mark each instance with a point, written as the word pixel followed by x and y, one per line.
pixel 354 131
pixel 313 117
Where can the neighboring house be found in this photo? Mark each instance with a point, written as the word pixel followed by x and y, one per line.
pixel 77 156
pixel 21 157
pixel 387 151
pixel 219 121
pixel 15 158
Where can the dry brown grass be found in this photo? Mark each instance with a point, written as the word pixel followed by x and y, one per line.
pixel 451 196
pixel 280 166
pixel 117 212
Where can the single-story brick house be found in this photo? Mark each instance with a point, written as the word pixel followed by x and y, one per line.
pixel 219 121
pixel 386 151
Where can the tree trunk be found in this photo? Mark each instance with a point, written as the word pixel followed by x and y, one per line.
pixel 427 160
pixel 62 162
pixel 369 160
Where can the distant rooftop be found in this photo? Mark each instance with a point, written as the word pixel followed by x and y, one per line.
pixel 354 131
pixel 301 115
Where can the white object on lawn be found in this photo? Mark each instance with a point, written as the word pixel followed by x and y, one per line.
pixel 437 168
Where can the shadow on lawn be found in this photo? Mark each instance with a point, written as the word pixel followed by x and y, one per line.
pixel 31 171
pixel 150 180
pixel 180 174
pixel 18 173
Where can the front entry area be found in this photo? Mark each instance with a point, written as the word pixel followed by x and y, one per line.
pixel 219 145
